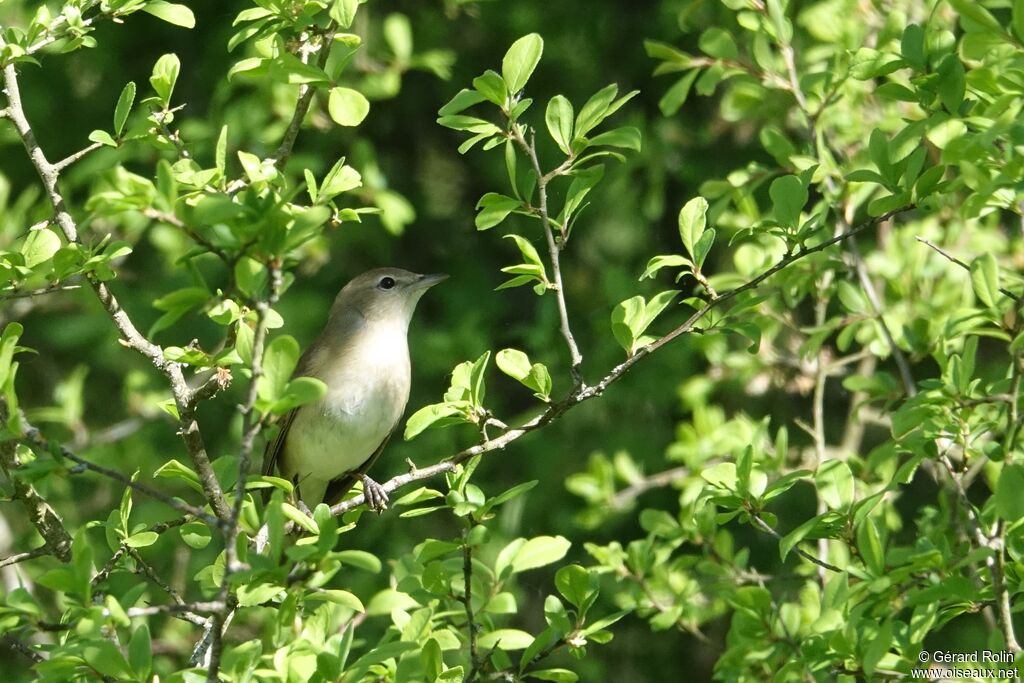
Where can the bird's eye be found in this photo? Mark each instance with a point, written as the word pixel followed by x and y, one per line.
pixel 386 283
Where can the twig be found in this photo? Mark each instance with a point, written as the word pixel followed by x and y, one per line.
pixel 108 568
pixel 764 526
pixel 17 644
pixel 306 93
pixel 188 426
pixel 250 428
pixel 666 478
pixel 67 161
pixel 174 221
pixel 31 293
pixel 37 440
pixel 581 394
pixel 909 387
pixel 530 149
pixel 467 600
pixel 45 519
pixel 954 259
pixel 25 556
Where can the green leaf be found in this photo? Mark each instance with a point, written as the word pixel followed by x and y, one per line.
pixel 575 584
pixel 279 361
pixel 142 539
pixel 250 595
pixel 347 107
pixel 102 137
pixel 398 35
pixel 516 364
pixel 519 62
pixel 664 261
pixel 626 137
pixel 165 75
pixel 1010 492
pixel 505 639
pixel 556 675
pixel 175 470
pixel 435 415
pixel 195 535
pixel 985 279
pixel 952 82
pixel 463 99
pixel 490 85
pixel 171 12
pixel 344 12
pixel 718 43
pixel 124 107
pixel 558 118
pixel 912 46
pixel 788 197
pixel 692 221
pixel 835 483
pixel 703 247
pixel 40 246
pixel 675 97
pixel 338 597
pixel 493 209
pixel 521 555
pixel 723 475
pixel 140 651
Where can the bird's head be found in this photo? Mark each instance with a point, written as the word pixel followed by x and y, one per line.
pixel 384 295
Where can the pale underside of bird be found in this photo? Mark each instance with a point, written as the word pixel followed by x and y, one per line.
pixel 362 356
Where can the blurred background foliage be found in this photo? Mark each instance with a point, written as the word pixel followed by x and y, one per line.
pixel 688 403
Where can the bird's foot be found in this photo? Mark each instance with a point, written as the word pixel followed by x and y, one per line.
pixel 376 496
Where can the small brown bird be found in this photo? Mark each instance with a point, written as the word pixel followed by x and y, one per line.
pixel 362 356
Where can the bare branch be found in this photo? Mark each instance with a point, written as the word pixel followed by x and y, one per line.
pixel 24 557
pixel 306 93
pixel 67 161
pixel 174 221
pixel 32 293
pixel 626 496
pixel 467 601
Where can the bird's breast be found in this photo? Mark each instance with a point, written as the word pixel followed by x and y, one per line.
pixel 367 389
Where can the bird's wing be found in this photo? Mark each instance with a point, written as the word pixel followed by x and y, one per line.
pixel 275 449
pixel 340 486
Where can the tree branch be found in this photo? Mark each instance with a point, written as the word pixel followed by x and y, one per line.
pixel 767 528
pixel 41 551
pixel 554 254
pixel 67 161
pixel 49 174
pixel 953 259
pixel 581 394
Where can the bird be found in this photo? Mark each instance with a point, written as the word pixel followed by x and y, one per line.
pixel 362 356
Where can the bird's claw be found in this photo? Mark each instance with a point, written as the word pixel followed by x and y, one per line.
pixel 376 496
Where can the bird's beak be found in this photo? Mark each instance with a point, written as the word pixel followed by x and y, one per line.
pixel 427 281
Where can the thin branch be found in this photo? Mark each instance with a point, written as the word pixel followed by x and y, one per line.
pixel 909 387
pixel 45 519
pixel 996 560
pixel 767 528
pixel 174 221
pixel 67 161
pixel 189 427
pixel 32 293
pixel 35 438
pixel 42 551
pixel 530 149
pixel 467 601
pixel 306 93
pixel 16 644
pixel 953 259
pixel 108 568
pixel 624 497
pixel 250 428
pixel 581 394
